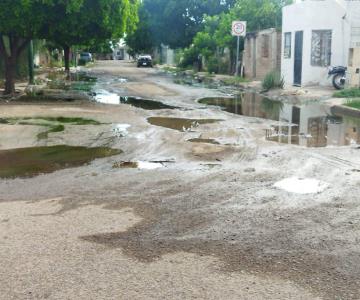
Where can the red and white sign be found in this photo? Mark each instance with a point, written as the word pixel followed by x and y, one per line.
pixel 238 28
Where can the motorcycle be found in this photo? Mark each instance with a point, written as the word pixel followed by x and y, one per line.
pixel 338 76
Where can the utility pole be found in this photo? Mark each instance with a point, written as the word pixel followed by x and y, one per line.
pixel 31 62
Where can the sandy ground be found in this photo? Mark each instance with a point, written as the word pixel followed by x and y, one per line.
pixel 209 224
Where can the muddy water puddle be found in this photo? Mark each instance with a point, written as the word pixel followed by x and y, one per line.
pixel 308 125
pixel 106 97
pixel 30 162
pixel 180 124
pixel 145 104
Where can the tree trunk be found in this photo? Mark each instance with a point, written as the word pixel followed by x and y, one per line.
pixel 10 73
pixel 67 60
pixel 10 57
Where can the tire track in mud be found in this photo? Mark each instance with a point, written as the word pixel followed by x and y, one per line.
pixel 185 216
pixel 335 161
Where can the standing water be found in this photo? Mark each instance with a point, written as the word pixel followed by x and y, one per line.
pixel 309 125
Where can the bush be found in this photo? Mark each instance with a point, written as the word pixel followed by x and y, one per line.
pixel 348 93
pixel 189 57
pixel 82 62
pixel 273 80
pixel 213 65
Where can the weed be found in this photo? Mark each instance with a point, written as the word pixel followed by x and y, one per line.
pixel 273 80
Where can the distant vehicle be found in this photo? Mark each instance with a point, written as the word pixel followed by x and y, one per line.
pixel 338 76
pixel 144 61
pixel 86 56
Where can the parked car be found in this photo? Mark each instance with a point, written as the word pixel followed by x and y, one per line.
pixel 86 57
pixel 144 61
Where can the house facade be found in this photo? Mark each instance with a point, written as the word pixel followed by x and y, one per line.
pixel 318 34
pixel 261 53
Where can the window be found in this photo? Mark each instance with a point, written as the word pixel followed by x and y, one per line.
pixel 265 45
pixel 287 45
pixel 321 48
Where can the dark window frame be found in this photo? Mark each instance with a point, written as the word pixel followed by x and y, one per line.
pixel 287 45
pixel 321 44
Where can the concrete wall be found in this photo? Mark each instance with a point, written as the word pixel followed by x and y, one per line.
pixel 256 64
pixel 317 15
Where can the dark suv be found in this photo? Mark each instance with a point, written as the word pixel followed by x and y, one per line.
pixel 144 61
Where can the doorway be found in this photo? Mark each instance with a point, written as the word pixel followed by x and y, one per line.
pixel 298 58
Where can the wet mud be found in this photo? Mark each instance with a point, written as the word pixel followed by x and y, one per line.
pixel 30 162
pixel 145 104
pixel 180 124
pixel 250 241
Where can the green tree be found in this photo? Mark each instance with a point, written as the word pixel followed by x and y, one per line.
pixel 140 40
pixel 95 22
pixel 67 23
pixel 216 35
pixel 175 23
pixel 20 21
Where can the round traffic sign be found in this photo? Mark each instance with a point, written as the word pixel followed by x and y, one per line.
pixel 238 28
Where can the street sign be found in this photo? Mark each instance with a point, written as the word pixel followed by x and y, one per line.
pixel 238 28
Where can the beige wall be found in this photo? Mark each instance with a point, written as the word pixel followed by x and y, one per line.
pixel 354 65
pixel 262 53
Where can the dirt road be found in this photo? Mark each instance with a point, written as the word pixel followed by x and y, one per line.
pixel 205 223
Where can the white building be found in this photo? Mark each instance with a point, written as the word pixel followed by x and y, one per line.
pixel 318 34
pixel 120 51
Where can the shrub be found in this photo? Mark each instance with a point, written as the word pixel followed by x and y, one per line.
pixel 213 65
pixel 273 80
pixel 348 93
pixel 82 62
pixel 189 57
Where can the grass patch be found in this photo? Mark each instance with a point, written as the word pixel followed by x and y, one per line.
pixel 53 124
pixel 348 93
pixel 56 128
pixel 353 103
pixel 235 80
pixel 72 121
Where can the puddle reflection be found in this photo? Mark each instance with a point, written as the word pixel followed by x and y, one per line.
pixel 309 125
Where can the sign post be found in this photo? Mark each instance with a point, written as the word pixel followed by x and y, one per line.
pixel 238 29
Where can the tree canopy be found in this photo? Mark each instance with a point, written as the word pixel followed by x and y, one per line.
pixel 216 33
pixel 175 23
pixel 67 23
